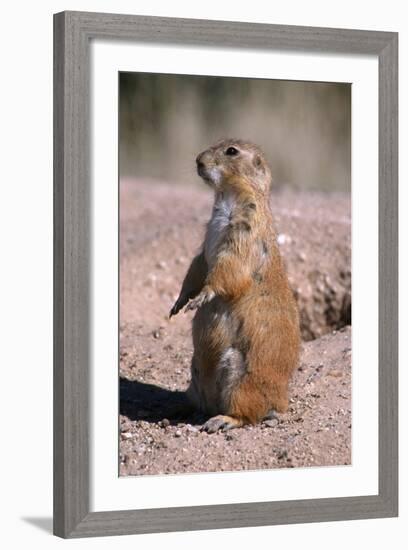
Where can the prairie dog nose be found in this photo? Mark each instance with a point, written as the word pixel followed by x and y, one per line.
pixel 199 161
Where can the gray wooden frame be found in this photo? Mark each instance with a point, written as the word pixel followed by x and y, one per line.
pixel 72 34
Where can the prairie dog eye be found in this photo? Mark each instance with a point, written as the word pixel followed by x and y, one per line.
pixel 231 151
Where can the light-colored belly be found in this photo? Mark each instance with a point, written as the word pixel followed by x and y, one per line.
pixel 221 216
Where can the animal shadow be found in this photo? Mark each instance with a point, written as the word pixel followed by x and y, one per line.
pixel 151 403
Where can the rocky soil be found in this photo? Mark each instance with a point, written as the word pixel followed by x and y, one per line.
pixel 161 226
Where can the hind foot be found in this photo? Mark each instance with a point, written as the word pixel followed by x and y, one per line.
pixel 221 422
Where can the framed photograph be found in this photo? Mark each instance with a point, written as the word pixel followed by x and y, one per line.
pixel 225 280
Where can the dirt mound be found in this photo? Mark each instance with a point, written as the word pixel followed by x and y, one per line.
pixel 161 228
pixel 314 232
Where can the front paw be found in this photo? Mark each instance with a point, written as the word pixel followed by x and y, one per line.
pixel 203 298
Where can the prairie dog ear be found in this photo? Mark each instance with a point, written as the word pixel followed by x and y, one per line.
pixel 258 162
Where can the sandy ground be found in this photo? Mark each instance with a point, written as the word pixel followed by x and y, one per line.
pixel 161 226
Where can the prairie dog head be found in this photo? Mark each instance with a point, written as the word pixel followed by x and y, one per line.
pixel 233 161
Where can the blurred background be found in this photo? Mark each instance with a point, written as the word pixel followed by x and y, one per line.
pixel 304 128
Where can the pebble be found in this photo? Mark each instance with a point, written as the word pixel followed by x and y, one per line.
pixel 177 433
pixel 283 454
pixel 282 239
pixel 335 373
pixel 165 422
pixel 192 429
pixel 125 427
pixel 271 423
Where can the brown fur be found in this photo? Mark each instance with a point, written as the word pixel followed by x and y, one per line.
pixel 246 328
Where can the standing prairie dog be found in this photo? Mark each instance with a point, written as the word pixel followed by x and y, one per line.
pixel 246 328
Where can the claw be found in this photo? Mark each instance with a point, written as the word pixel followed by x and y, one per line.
pixel 194 304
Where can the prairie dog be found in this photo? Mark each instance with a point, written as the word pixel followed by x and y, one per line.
pixel 246 327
